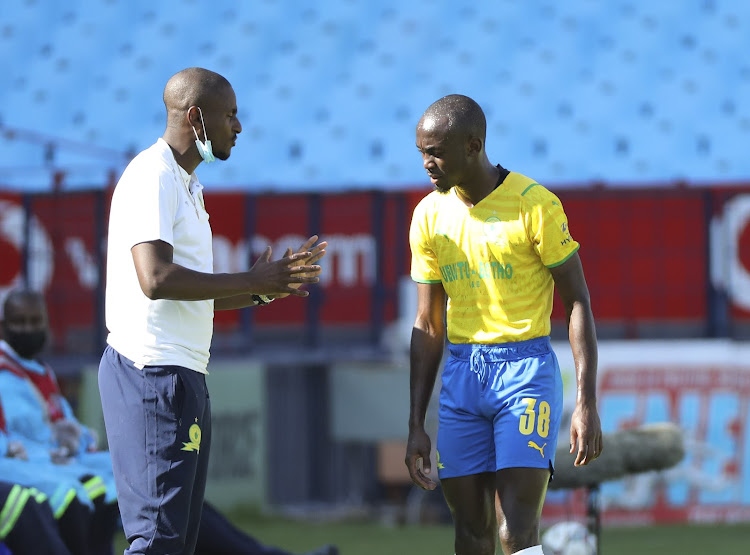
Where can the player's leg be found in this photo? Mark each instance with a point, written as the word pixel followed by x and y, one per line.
pixel 466 457
pixel 520 496
pixel 471 500
pixel 104 522
pixel 101 487
pixel 26 522
pixel 74 526
pixel 67 498
pixel 526 425
pixel 218 536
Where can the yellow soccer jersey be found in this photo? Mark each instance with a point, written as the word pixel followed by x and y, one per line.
pixel 493 259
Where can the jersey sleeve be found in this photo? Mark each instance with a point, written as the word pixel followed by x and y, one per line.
pixel 424 265
pixel 548 228
pixel 151 200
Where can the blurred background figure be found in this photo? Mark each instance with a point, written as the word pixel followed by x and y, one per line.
pixel 42 422
pixel 28 525
pixel 43 500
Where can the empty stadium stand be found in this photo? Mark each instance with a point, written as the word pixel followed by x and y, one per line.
pixel 622 92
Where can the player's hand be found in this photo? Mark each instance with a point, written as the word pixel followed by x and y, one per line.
pixel 316 253
pixel 418 458
pixel 67 434
pixel 282 276
pixel 17 450
pixel 60 455
pixel 92 440
pixel 585 433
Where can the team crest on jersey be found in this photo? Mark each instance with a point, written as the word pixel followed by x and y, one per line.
pixel 194 433
pixel 493 231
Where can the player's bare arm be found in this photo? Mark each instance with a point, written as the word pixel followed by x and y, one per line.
pixel 585 428
pixel 316 253
pixel 160 278
pixel 427 344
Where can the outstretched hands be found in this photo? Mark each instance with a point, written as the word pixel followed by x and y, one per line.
pixel 285 276
pixel 316 253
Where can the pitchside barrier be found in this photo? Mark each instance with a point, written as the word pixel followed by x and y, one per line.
pixel 239 445
pixel 701 385
pixel 335 434
pixel 660 262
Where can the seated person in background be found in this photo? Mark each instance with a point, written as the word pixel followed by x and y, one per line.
pixel 41 495
pixel 38 415
pixel 26 522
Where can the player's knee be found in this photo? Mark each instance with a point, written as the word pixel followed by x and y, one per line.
pixel 475 546
pixel 475 541
pixel 518 534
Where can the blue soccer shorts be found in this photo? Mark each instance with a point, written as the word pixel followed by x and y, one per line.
pixel 500 407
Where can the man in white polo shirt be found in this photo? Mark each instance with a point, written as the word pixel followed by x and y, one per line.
pixel 160 300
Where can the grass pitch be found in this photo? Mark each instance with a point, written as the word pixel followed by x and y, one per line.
pixel 366 538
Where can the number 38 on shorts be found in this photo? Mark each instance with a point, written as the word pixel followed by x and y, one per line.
pixel 533 417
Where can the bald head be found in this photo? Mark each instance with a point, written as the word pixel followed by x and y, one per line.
pixel 25 324
pixel 193 86
pixel 17 299
pixel 455 114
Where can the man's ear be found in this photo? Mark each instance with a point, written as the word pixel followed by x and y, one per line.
pixel 194 117
pixel 474 146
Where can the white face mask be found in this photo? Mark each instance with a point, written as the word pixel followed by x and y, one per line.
pixel 204 149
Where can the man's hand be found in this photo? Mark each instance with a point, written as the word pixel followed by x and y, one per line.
pixel 316 253
pixel 418 458
pixel 585 433
pixel 91 440
pixel 284 276
pixel 60 455
pixel 67 434
pixel 17 450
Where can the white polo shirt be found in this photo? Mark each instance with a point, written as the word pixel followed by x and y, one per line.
pixel 156 199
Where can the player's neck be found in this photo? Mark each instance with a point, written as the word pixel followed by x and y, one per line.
pixel 184 150
pixel 474 188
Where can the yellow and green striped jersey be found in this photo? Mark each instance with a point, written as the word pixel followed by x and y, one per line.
pixel 493 259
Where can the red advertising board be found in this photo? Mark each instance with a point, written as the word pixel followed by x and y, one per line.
pixel 644 252
pixel 651 256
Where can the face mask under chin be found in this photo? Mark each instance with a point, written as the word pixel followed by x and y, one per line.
pixel 204 148
pixel 26 344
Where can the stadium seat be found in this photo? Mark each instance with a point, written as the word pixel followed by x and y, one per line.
pixel 329 93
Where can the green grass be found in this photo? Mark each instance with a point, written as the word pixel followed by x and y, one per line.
pixel 713 539
pixel 361 538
